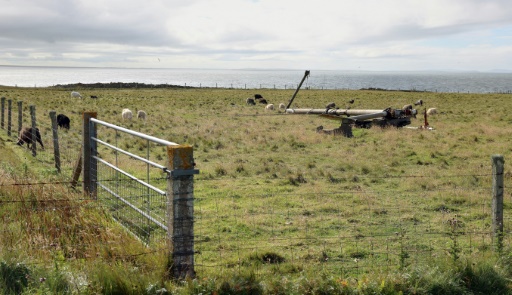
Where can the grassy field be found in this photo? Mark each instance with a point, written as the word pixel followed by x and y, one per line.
pixel 279 207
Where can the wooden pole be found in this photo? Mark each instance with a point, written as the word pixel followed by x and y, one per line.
pixel 2 116
pixel 180 209
pixel 306 74
pixel 20 115
pixel 34 132
pixel 89 164
pixel 77 170
pixel 9 117
pixel 497 199
pixel 55 134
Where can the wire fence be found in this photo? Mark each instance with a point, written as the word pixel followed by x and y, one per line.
pixel 349 232
pixel 69 141
pixel 352 231
pixel 132 202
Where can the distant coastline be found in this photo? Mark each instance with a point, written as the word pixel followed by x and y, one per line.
pixel 114 85
pixel 425 81
pixel 119 85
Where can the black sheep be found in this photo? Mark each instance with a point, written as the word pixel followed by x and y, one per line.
pixel 331 105
pixel 25 136
pixel 250 101
pixel 63 121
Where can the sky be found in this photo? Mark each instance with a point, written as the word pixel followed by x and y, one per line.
pixel 372 35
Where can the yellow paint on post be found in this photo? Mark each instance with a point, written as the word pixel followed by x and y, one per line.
pixel 180 157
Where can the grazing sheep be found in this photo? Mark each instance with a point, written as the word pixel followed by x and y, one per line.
pixel 127 114
pixel 282 107
pixel 351 101
pixel 419 103
pixel 407 107
pixel 258 96
pixel 250 101
pixel 25 136
pixel 75 94
pixel 330 105
pixel 94 96
pixel 63 121
pixel 263 101
pixel 431 111
pixel 141 115
pixel 269 107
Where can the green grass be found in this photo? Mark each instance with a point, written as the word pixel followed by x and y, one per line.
pixel 279 208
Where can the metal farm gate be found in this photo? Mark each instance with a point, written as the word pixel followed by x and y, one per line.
pixel 154 204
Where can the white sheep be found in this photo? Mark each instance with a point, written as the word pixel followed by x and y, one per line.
pixel 75 94
pixel 282 107
pixel 269 107
pixel 431 111
pixel 127 114
pixel 141 115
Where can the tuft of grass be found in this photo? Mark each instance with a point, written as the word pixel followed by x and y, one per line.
pixel 14 277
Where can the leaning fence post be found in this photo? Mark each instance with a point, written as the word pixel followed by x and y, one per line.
pixel 20 115
pixel 180 210
pixel 34 130
pixel 497 199
pixel 2 119
pixel 9 121
pixel 77 170
pixel 55 133
pixel 89 163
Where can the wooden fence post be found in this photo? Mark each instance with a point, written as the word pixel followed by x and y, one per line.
pixel 77 170
pixel 9 121
pixel 20 115
pixel 497 199
pixel 2 116
pixel 89 164
pixel 55 133
pixel 180 211
pixel 34 132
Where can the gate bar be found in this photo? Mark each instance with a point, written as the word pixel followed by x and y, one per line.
pixel 130 154
pixel 134 133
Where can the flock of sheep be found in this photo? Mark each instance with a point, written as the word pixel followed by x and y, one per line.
pixel 63 121
pixel 127 114
pixel 258 98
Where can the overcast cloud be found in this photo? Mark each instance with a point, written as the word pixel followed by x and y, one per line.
pixel 233 34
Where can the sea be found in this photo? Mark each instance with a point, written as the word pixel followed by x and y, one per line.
pixel 432 81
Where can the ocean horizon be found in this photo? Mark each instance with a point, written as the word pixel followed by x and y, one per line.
pixel 432 81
